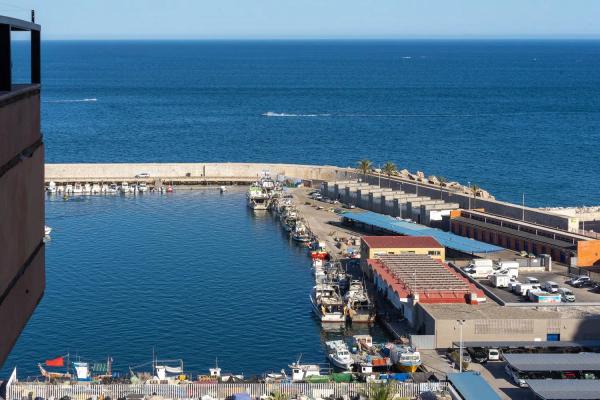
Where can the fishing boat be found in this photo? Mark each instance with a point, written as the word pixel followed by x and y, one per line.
pixel 47 230
pixel 327 303
pixel 358 304
pixel 87 189
pixel 104 188
pixel 77 188
pixel 339 355
pixel 113 188
pixel 223 189
pixel 404 358
pixel 300 232
pixel 258 199
pixel 142 187
pixel 304 372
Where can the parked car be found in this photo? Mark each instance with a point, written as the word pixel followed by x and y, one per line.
pixel 493 355
pixel 580 281
pixel 566 295
pixel 532 280
pixel 550 287
pixel 512 284
pixel 143 175
pixel 478 354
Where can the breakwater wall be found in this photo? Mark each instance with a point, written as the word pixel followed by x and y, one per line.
pixel 246 173
pixel 20 390
pixel 188 173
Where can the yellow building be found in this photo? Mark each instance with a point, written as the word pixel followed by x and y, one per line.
pixel 371 246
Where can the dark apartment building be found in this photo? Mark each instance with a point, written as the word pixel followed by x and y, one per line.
pixel 22 275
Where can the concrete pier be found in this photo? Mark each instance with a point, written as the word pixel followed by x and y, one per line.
pixel 187 173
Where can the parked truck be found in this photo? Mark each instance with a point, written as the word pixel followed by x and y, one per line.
pixel 539 296
pixel 523 289
pixel 499 280
pixel 480 268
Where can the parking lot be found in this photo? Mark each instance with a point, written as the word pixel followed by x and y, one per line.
pixel 582 295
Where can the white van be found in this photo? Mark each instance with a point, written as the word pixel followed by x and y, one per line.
pixel 523 289
pixel 499 280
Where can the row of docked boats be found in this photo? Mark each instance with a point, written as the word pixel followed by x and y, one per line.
pixel 362 361
pixel 263 192
pixel 367 358
pixel 336 297
pixel 104 188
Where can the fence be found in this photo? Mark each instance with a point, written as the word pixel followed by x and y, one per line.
pixel 20 390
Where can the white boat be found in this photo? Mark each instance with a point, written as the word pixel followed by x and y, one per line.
pixel 51 187
pixel 96 188
pixel 223 189
pixel 77 188
pixel 339 355
pixel 69 189
pixel 258 199
pixel 113 188
pixel 87 188
pixel 60 189
pixel 142 187
pixel 124 187
pixel 327 303
pixel 358 304
pixel 104 188
pixel 300 372
pixel 47 230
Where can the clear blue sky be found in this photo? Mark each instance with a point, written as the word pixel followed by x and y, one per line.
pixel 209 19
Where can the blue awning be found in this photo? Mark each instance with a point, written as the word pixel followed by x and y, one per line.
pixel 471 386
pixel 446 239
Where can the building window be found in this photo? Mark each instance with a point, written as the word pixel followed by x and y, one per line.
pixel 434 252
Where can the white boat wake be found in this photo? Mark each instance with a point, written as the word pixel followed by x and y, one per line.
pixel 274 114
pixel 90 100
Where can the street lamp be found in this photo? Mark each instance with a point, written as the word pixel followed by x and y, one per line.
pixel 469 185
pixel 460 358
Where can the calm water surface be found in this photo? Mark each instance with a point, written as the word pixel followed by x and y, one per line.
pixel 196 275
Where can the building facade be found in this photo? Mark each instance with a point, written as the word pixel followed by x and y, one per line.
pixel 372 246
pixel 22 271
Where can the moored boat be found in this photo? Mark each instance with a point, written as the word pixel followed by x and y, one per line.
pixel 327 303
pixel 339 355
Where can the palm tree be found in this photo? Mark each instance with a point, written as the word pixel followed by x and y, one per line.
pixel 389 168
pixel 364 166
pixel 379 391
pixel 442 181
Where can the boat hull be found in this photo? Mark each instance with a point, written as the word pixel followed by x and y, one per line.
pixel 339 364
pixel 333 317
pixel 407 367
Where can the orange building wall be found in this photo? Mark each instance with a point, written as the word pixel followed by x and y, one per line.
pixel 588 253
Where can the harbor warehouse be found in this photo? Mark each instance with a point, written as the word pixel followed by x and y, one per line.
pixel 372 246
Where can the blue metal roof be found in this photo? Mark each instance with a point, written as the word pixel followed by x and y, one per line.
pixel 446 239
pixel 472 386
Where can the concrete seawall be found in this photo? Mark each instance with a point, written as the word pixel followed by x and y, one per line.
pixel 189 172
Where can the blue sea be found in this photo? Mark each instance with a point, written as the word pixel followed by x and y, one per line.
pixel 511 116
pixel 195 275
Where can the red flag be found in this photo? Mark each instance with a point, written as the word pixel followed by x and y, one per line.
pixel 56 362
